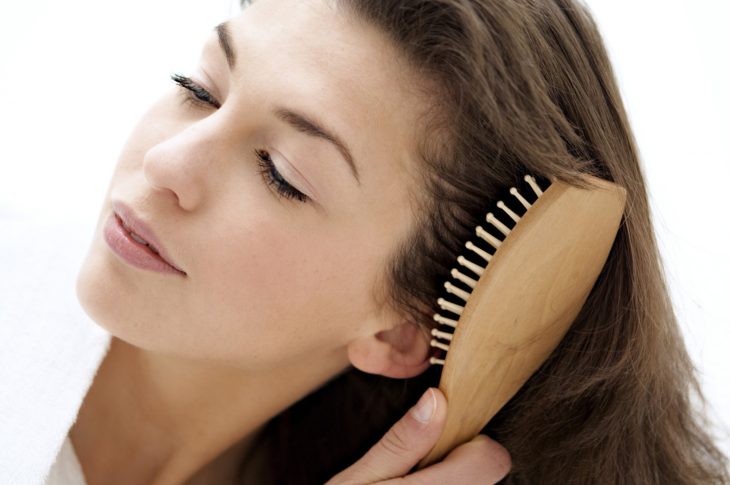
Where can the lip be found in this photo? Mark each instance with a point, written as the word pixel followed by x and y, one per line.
pixel 133 252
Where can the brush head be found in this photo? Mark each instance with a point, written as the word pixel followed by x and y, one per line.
pixel 512 309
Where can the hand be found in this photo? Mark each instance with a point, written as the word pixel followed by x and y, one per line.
pixel 481 460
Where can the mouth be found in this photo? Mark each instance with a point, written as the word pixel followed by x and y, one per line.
pixel 140 233
pixel 137 237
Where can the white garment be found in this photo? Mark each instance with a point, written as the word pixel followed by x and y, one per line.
pixel 50 349
pixel 66 470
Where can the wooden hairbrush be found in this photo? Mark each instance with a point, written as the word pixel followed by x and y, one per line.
pixel 541 259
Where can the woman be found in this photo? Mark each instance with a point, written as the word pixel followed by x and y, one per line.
pixel 304 257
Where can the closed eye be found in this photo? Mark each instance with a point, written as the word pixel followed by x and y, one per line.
pixel 195 93
pixel 268 171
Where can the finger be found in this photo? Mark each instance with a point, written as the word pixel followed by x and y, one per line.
pixel 481 460
pixel 405 443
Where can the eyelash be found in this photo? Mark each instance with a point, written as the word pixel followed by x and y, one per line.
pixel 272 177
pixel 195 94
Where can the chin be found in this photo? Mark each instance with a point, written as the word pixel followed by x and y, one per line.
pixel 96 290
pixel 106 290
pixel 111 294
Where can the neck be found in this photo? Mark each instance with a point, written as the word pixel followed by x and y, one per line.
pixel 151 418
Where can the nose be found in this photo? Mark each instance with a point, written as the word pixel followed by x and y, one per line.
pixel 183 163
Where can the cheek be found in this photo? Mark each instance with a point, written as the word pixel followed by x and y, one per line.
pixel 276 292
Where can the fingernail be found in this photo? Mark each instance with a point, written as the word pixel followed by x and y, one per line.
pixel 423 410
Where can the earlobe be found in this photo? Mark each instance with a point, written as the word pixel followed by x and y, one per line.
pixel 399 352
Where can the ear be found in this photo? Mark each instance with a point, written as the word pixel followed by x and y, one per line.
pixel 399 352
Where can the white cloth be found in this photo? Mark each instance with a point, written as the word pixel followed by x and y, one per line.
pixel 66 470
pixel 50 349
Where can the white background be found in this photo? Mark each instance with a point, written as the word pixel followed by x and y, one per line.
pixel 76 75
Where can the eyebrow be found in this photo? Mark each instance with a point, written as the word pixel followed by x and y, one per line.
pixel 224 39
pixel 303 123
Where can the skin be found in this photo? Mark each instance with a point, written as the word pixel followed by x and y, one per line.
pixel 278 296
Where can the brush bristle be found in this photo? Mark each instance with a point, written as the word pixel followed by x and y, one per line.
pixel 499 224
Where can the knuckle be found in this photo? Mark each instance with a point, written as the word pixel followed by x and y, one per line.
pixel 488 451
pixel 395 442
pixel 373 474
pixel 360 474
pixel 415 479
pixel 406 481
pixel 341 478
pixel 506 460
pixel 503 462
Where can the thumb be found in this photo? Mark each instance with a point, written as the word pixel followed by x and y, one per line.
pixel 405 443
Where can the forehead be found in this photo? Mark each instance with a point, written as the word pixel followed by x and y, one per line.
pixel 347 73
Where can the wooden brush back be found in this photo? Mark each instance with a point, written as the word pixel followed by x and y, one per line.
pixel 524 303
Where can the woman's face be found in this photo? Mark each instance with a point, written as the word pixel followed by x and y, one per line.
pixel 267 278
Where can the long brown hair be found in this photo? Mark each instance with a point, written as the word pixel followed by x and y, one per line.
pixel 521 86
